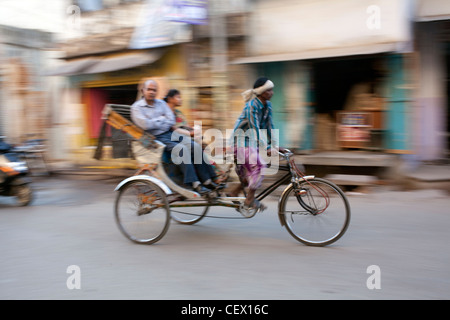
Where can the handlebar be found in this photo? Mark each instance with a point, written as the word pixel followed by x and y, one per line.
pixel 287 153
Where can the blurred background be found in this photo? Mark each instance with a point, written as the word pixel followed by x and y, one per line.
pixel 350 75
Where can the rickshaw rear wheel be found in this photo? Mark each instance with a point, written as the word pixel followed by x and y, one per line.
pixel 142 212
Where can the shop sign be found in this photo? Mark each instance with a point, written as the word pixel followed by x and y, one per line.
pixel 155 29
pixel 187 11
pixel 354 126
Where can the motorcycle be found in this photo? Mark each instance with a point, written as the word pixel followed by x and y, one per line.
pixel 14 180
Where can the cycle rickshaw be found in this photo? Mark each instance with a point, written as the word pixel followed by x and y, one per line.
pixel 314 211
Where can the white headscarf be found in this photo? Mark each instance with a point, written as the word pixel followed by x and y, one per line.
pixel 251 93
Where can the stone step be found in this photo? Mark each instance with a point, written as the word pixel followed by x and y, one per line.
pixel 352 180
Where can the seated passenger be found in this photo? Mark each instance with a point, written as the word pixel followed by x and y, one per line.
pixel 173 100
pixel 154 116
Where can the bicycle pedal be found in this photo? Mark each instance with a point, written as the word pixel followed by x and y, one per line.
pixel 212 194
pixel 221 186
pixel 247 212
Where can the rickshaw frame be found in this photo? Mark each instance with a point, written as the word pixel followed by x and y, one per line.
pixel 148 151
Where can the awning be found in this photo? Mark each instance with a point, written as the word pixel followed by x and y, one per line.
pixel 125 61
pixel 432 10
pixel 326 53
pixel 99 65
pixel 72 67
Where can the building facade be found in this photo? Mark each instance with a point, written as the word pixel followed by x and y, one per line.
pixel 432 91
pixel 330 60
pixel 370 75
pixel 24 96
pixel 349 74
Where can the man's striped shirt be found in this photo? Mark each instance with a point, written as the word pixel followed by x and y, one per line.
pixel 256 123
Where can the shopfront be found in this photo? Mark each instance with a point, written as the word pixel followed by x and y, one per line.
pixel 432 107
pixel 349 102
pixel 340 70
pixel 110 80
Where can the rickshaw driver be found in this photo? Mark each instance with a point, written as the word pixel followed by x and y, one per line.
pixel 154 116
pixel 256 115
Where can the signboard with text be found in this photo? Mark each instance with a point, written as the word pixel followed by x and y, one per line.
pixel 353 128
pixel 187 11
pixel 157 26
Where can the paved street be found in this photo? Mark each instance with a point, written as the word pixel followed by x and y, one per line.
pixel 405 234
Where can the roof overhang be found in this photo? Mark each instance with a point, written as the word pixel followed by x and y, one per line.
pixel 106 64
pixel 325 53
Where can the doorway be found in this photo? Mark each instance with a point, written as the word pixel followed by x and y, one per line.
pixel 95 100
pixel 349 84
